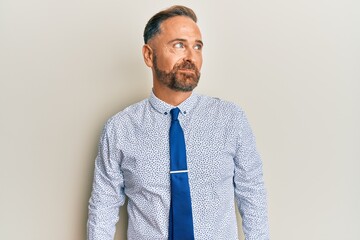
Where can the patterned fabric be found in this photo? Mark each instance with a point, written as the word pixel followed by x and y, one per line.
pixel 133 161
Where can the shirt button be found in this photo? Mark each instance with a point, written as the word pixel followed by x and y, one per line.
pixel 184 112
pixel 165 113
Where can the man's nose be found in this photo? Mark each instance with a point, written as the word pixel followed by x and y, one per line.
pixel 190 55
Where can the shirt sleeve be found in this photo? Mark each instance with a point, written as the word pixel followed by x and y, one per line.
pixel 108 189
pixel 250 191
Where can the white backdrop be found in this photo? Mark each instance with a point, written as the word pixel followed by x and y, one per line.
pixel 67 66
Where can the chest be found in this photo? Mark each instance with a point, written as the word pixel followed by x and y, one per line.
pixel 209 149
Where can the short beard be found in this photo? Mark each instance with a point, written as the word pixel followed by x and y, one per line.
pixel 178 81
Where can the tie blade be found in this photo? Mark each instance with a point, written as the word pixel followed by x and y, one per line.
pixel 181 207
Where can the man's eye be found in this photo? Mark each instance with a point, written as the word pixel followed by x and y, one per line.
pixel 179 45
pixel 198 47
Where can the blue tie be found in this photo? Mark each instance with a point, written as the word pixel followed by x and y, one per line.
pixel 180 219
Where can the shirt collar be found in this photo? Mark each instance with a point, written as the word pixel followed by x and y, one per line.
pixel 164 108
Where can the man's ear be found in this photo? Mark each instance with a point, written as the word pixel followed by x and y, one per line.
pixel 148 55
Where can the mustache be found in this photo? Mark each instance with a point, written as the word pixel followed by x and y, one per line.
pixel 186 65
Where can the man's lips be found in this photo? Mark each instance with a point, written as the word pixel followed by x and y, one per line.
pixel 187 70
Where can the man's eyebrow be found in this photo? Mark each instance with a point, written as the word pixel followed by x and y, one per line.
pixel 177 40
pixel 201 42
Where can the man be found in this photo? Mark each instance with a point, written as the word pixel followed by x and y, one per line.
pixel 139 147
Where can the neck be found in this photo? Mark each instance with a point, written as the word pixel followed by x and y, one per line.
pixel 170 96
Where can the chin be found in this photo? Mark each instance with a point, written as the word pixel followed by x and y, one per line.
pixel 188 86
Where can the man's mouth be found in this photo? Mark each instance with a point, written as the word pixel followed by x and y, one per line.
pixel 187 70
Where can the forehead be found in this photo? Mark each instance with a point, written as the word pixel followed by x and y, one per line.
pixel 179 27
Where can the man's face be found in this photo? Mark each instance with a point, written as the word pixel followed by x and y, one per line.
pixel 177 56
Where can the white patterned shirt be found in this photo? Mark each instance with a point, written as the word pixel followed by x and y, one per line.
pixel 223 163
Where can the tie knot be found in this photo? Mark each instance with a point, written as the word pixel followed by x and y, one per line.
pixel 174 114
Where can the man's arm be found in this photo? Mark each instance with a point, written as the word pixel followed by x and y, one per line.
pixel 108 190
pixel 250 191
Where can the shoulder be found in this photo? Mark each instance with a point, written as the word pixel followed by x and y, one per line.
pixel 215 104
pixel 127 115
